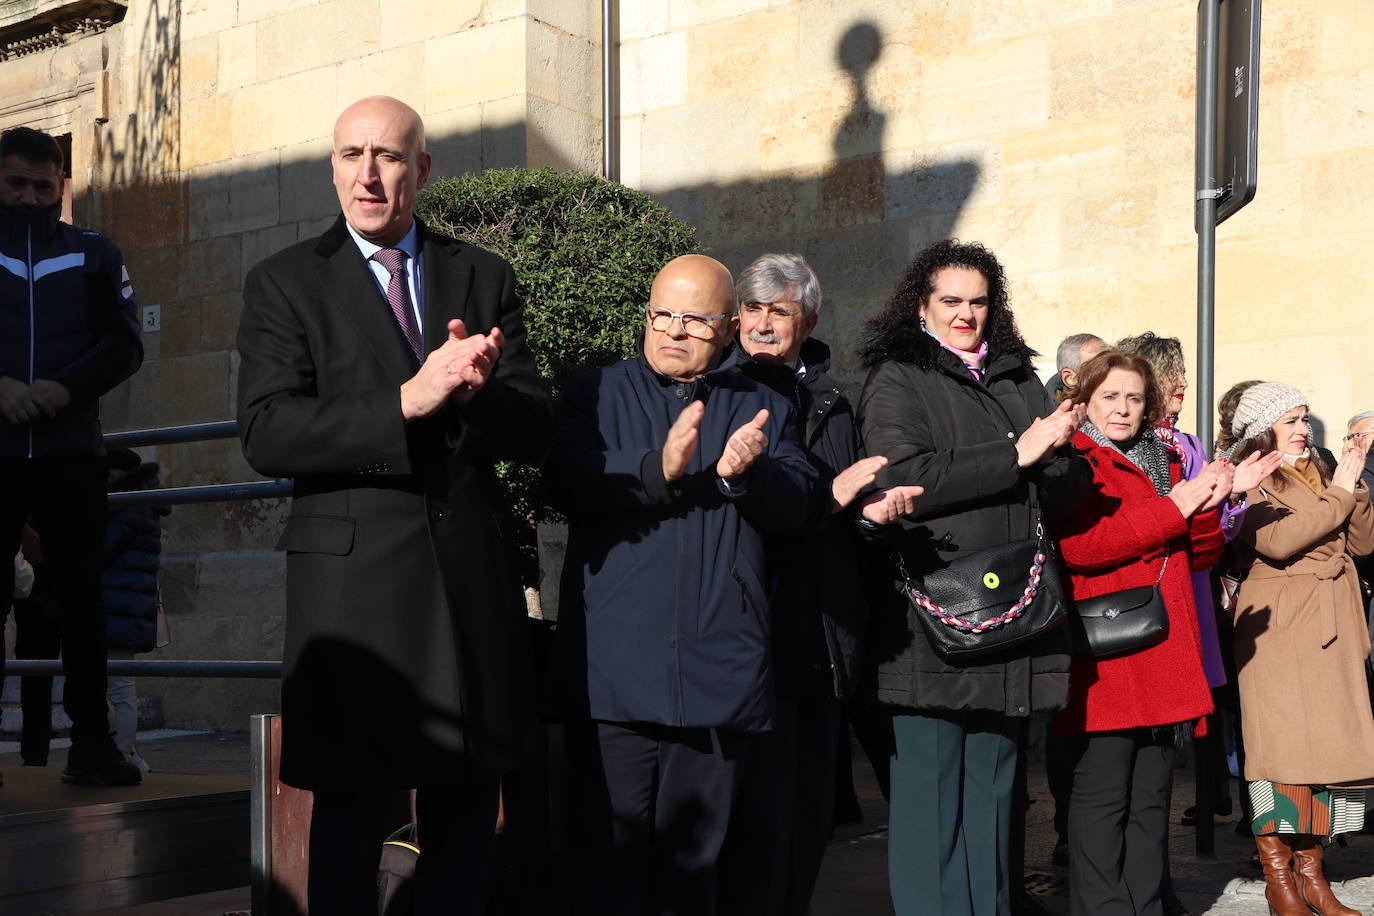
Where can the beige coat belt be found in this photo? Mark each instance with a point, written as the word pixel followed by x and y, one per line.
pixel 1329 569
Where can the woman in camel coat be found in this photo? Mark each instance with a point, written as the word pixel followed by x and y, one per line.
pixel 1300 644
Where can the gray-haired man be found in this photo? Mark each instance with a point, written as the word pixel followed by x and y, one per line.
pixel 1073 352
pixel 771 855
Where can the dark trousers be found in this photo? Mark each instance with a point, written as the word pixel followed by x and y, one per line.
pixel 647 809
pixel 1118 823
pixel 64 500
pixel 454 826
pixel 780 825
pixel 950 819
pixel 36 635
pixel 1061 755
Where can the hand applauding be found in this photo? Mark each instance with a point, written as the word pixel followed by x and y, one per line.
pixel 458 369
pixel 886 506
pixel 1046 434
pixel 743 447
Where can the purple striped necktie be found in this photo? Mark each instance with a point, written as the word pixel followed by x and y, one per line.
pixel 398 297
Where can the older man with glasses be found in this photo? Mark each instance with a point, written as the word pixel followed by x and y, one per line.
pixel 1360 429
pixel 671 468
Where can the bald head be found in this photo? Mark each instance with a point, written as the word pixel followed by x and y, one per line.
pixel 705 280
pixel 383 109
pixel 379 164
pixel 702 292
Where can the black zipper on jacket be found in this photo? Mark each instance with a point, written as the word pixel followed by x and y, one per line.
pixel 743 592
pixel 832 646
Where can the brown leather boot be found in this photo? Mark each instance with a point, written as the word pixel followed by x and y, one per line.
pixel 1280 884
pixel 1312 883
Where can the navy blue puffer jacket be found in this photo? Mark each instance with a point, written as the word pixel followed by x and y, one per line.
pixel 128 576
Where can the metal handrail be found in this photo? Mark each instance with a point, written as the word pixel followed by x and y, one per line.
pixel 173 435
pixel 211 493
pixel 47 667
pixel 168 496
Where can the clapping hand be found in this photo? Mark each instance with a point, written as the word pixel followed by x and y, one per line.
pixel 681 443
pixel 1348 468
pixel 1045 434
pixel 1223 474
pixel 1253 471
pixel 473 359
pixel 743 448
pixel 886 506
pixel 458 369
pixel 1193 496
pixel 849 482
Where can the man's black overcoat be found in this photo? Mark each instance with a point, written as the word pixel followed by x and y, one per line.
pixel 405 660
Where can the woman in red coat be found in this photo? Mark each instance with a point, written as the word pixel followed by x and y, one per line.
pixel 1142 525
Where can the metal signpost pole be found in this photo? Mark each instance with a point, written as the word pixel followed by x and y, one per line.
pixel 610 90
pixel 1206 213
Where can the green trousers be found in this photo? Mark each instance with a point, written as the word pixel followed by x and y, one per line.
pixel 950 815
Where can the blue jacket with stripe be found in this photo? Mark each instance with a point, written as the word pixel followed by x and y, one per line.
pixel 67 313
pixel 664 613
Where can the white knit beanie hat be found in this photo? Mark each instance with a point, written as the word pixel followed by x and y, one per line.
pixel 1261 406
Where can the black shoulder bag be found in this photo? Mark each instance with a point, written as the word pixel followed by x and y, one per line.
pixel 989 601
pixel 1119 623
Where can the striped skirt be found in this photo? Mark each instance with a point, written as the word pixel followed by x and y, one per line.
pixel 1311 810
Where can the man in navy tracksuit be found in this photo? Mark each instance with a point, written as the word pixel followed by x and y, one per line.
pixel 670 466
pixel 67 336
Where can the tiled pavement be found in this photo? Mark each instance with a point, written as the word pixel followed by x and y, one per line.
pixel 854 878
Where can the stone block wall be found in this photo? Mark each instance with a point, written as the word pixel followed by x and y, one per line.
pixel 1059 133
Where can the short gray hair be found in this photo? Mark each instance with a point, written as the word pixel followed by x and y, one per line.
pixel 780 278
pixel 1070 353
pixel 1365 415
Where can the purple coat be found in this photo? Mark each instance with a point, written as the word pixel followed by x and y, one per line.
pixel 1231 517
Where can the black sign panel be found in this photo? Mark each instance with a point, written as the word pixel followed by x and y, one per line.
pixel 1237 104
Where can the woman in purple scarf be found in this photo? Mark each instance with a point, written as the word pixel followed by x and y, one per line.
pixel 1165 356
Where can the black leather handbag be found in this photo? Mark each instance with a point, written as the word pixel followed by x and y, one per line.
pixel 989 601
pixel 1119 623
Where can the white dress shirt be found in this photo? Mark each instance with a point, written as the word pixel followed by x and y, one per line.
pixel 411 246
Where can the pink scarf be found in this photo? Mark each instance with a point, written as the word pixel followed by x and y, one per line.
pixel 973 361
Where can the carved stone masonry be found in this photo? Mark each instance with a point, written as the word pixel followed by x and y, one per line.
pixel 28 27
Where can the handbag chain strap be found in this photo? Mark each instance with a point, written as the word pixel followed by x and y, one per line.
pixel 1161 570
pixel 1027 595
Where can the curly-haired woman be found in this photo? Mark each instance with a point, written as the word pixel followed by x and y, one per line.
pixel 952 401
pixel 1300 646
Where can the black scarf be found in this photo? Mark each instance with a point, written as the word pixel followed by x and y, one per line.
pixel 1145 451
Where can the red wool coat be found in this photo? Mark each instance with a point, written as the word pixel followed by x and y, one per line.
pixel 1118 539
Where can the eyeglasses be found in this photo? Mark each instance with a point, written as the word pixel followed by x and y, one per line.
pixel 1349 436
pixel 702 327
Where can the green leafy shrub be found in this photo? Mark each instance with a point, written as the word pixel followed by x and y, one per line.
pixel 585 252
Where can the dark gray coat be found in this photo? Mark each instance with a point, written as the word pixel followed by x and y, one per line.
pixel 814 572
pixel 942 429
pixel 405 662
